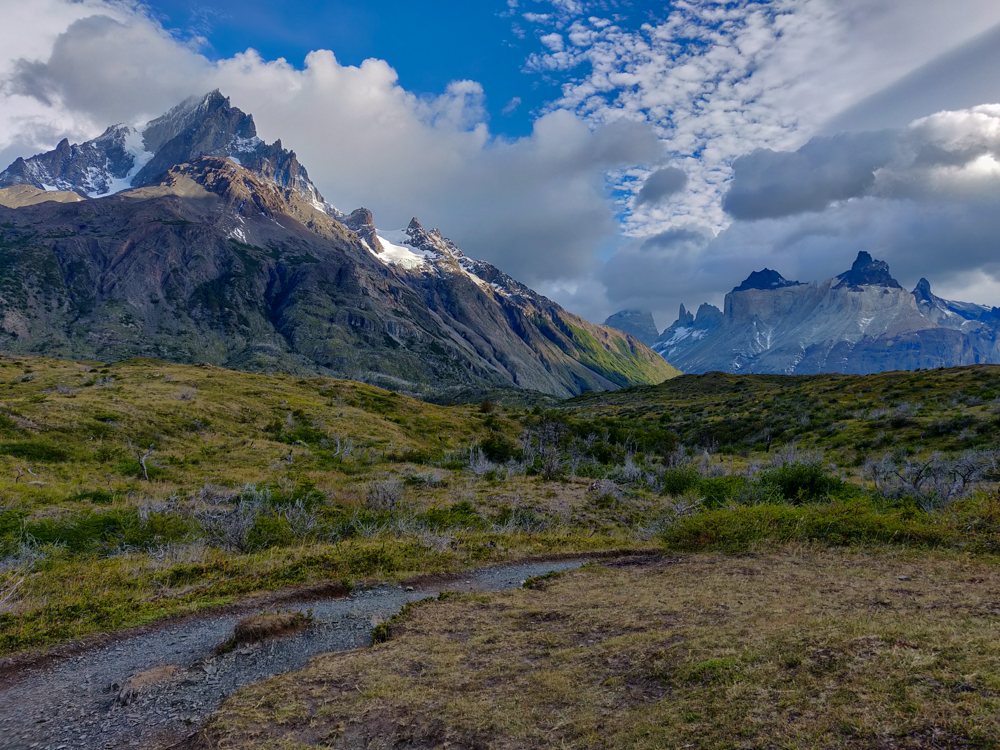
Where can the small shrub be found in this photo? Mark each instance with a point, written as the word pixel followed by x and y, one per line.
pixel 461 515
pixel 499 449
pixel 231 529
pixel 745 528
pixel 130 467
pixel 384 495
pixel 604 493
pixel 717 491
pixel 801 482
pixel 97 497
pixel 518 519
pixel 109 531
pixel 679 481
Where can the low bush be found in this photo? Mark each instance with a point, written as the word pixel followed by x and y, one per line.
pixel 680 480
pixel 109 531
pixel 34 451
pixel 499 449
pixel 801 482
pixel 461 515
pixel 739 529
pixel 718 491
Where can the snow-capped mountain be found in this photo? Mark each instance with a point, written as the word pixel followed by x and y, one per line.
pixel 124 157
pixel 197 242
pixel 859 322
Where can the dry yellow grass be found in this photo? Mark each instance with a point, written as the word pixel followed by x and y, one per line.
pixel 265 625
pixel 138 684
pixel 802 648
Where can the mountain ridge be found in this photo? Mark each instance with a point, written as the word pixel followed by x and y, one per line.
pixel 229 255
pixel 859 322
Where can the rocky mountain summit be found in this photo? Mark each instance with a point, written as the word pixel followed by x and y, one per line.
pixel 124 157
pixel 859 322
pixel 191 240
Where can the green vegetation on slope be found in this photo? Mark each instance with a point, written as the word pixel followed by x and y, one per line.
pixel 843 415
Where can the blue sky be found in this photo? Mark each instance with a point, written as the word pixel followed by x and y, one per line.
pixel 606 188
pixel 428 43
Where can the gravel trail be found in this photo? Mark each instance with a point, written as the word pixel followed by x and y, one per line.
pixel 71 703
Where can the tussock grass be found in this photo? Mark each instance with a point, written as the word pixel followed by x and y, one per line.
pixel 263 626
pixel 804 647
pixel 139 684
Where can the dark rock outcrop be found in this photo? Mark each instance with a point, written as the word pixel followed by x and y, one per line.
pixel 867 271
pixel 766 279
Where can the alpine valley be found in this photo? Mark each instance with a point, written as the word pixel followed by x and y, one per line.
pixel 859 323
pixel 193 241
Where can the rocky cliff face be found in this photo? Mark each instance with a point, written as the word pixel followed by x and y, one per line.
pixel 638 323
pixel 233 258
pixel 860 322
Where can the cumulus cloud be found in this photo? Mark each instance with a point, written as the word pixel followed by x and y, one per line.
pixel 536 206
pixel 768 184
pixel 661 184
pixel 925 198
pixel 719 80
pixel 947 155
pixel 99 58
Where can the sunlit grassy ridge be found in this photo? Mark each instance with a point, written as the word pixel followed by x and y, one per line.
pixel 846 415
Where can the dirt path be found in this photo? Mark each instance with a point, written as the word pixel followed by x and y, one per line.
pixel 71 703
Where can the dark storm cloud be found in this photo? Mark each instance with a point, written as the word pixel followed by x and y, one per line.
pixel 662 184
pixel 768 184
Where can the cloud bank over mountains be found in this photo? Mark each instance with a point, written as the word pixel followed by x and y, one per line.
pixel 538 206
pixel 925 198
pixel 686 149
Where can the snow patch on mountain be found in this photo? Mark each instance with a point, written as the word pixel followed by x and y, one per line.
pixel 397 254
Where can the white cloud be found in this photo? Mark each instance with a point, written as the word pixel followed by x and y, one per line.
pixel 511 106
pixel 718 80
pixel 949 155
pixel 536 206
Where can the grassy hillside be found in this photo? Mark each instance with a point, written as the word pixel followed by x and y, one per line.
pixel 140 490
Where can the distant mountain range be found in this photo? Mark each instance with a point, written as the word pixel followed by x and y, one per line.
pixel 859 322
pixel 192 240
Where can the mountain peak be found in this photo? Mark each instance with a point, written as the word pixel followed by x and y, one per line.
pixel 867 271
pixel 765 279
pixel 923 290
pixel 637 323
pixel 123 158
pixel 362 222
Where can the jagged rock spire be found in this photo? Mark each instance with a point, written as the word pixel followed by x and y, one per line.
pixel 867 271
